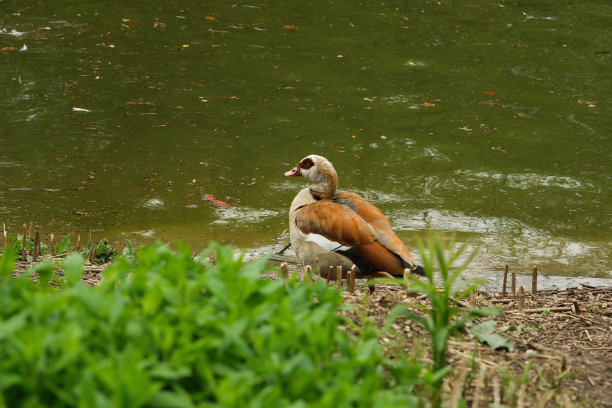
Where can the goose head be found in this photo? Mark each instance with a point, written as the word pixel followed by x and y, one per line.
pixel 321 172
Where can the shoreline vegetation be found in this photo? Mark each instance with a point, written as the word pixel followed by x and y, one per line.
pixel 511 348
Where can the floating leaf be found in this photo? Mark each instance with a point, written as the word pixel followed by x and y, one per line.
pixel 490 93
pixel 590 104
pixel 290 27
pixel 210 18
pixel 429 104
pixel 216 202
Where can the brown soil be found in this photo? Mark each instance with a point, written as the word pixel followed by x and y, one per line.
pixel 566 352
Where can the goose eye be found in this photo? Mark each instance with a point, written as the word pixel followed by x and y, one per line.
pixel 306 163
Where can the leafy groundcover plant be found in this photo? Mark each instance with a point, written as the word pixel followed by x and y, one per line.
pixel 165 330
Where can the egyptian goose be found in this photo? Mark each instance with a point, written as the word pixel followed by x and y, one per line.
pixel 342 228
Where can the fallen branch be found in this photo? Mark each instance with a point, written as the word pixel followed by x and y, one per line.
pixel 582 318
pixel 549 309
pixel 502 301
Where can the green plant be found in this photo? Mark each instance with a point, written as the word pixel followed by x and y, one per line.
pixel 128 251
pixel 444 317
pixel 486 332
pixel 103 253
pixel 14 244
pixel 63 245
pixel 165 330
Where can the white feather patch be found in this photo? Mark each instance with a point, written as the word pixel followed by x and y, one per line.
pixel 326 244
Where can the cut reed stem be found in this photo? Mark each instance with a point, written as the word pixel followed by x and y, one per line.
pixel 285 269
pixel 534 282
pixel 351 279
pixel 505 280
pixel 521 300
pixel 36 244
pixel 308 273
pixel 24 249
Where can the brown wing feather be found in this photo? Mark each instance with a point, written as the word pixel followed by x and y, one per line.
pixel 335 222
pixel 380 224
pixel 381 258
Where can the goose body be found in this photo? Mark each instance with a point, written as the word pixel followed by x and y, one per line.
pixel 342 228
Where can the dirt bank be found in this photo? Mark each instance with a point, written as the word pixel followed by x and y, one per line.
pixel 562 347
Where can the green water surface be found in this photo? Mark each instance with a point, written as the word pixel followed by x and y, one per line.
pixel 491 120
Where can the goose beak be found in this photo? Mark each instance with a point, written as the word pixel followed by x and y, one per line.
pixel 294 172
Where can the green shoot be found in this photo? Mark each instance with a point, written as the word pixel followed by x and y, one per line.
pixel 444 318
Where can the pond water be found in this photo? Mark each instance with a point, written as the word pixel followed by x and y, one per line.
pixel 490 121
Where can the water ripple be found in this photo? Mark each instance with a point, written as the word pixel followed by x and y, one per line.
pixel 529 180
pixel 242 215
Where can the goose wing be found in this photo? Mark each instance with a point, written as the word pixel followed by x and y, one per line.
pixel 381 226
